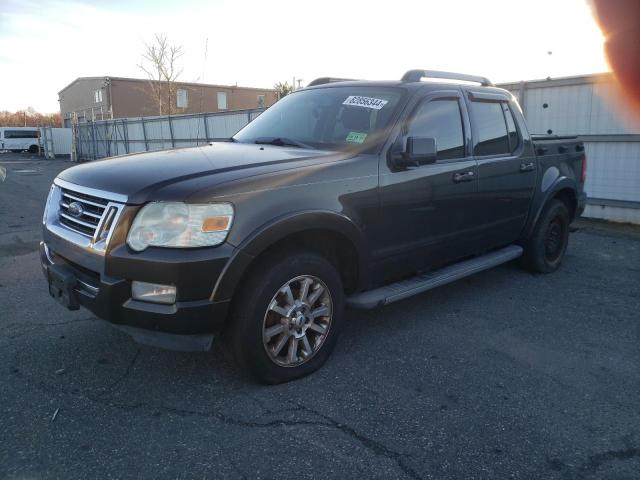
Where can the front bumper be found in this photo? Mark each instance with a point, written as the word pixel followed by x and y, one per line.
pixel 189 324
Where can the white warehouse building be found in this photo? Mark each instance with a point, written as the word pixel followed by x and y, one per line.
pixel 588 106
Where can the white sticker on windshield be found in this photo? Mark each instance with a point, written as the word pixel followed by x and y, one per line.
pixel 366 102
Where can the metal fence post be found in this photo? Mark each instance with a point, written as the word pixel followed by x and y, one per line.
pixel 93 140
pixel 173 141
pixel 206 128
pixel 109 128
pixel 144 135
pixel 125 128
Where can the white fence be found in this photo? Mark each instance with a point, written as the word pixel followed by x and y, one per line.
pixel 588 106
pixel 55 141
pixel 107 138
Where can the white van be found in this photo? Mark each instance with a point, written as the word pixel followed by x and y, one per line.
pixel 18 139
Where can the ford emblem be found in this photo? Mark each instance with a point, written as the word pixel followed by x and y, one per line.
pixel 75 209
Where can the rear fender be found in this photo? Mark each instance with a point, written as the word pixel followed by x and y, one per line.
pixel 552 183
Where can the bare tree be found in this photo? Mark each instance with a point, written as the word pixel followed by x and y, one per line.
pixel 283 89
pixel 159 62
pixel 29 118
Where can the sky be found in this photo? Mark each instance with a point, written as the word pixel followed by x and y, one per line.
pixel 44 45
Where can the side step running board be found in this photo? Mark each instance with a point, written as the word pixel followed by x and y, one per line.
pixel 426 281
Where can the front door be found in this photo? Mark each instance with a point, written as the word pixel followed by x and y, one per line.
pixel 425 209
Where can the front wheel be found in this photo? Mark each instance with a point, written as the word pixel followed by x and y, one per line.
pixel 34 149
pixel 544 250
pixel 286 320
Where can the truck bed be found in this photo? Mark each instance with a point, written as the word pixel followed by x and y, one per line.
pixel 554 144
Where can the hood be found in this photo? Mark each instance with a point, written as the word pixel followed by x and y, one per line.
pixel 137 176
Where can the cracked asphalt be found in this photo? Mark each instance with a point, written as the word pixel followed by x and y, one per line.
pixel 501 375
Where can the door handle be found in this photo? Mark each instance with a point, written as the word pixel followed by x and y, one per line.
pixel 463 177
pixel 527 167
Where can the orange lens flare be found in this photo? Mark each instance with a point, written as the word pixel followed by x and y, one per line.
pixel 215 224
pixel 619 21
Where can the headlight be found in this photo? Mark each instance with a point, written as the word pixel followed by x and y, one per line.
pixel 52 200
pixel 180 225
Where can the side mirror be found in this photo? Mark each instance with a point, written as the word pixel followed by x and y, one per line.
pixel 418 151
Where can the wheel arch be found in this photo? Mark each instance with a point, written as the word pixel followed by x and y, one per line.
pixel 329 233
pixel 564 189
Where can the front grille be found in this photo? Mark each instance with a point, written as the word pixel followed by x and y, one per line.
pixel 87 219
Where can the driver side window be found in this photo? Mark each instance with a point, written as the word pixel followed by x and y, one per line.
pixel 440 119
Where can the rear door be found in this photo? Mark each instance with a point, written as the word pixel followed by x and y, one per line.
pixel 425 209
pixel 506 170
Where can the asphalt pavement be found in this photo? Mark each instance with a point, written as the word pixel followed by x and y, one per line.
pixel 502 375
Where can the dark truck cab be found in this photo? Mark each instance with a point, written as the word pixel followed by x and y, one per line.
pixel 344 193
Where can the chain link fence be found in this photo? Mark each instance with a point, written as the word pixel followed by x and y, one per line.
pixel 108 138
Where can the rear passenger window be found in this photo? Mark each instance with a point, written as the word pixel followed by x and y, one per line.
pixel 440 119
pixel 491 129
pixel 514 139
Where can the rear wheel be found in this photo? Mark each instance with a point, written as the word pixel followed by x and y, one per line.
pixel 286 320
pixel 34 149
pixel 544 250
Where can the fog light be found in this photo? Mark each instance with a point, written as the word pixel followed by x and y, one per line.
pixel 153 292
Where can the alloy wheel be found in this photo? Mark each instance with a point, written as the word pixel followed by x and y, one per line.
pixel 297 321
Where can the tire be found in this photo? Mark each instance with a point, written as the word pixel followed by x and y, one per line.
pixel 34 149
pixel 268 327
pixel 545 249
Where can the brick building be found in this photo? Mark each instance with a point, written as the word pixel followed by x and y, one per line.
pixel 97 98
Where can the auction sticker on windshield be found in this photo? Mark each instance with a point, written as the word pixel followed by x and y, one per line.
pixel 366 102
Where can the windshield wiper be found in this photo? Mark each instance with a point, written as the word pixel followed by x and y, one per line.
pixel 281 142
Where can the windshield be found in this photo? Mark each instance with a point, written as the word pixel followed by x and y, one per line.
pixel 335 118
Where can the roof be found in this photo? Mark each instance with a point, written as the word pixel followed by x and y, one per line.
pixel 128 79
pixel 406 85
pixel 412 79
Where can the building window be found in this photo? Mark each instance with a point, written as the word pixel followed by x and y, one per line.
pixel 97 95
pixel 260 101
pixel 182 99
pixel 222 100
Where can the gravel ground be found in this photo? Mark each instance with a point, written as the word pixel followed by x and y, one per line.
pixel 502 375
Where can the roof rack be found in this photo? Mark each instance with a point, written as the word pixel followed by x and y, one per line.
pixel 417 75
pixel 323 80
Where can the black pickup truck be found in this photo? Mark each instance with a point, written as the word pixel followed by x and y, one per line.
pixel 350 193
